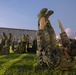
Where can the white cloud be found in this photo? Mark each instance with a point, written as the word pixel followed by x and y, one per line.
pixel 70 33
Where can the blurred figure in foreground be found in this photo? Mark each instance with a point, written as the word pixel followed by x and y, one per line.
pixel 48 52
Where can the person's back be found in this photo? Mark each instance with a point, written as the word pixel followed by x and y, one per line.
pixel 4 37
pixel 2 41
pixel 24 38
pixel 23 41
pixel 9 40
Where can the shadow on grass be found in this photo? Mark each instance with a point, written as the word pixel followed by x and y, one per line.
pixel 28 57
pixel 11 56
pixel 2 62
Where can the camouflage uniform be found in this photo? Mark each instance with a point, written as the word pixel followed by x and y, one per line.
pixel 47 49
pixel 65 39
pixel 65 63
pixel 8 40
pixel 48 53
pixel 3 47
pixel 2 41
pixel 23 42
pixel 71 46
pixel 46 43
pixel 18 48
pixel 27 41
pixel 7 44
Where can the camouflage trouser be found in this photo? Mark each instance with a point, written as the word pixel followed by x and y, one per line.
pixel 24 46
pixel 65 39
pixel 40 46
pixel 46 44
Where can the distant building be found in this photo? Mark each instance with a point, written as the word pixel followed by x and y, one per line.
pixel 18 32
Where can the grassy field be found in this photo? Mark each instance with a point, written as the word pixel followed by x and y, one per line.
pixel 25 64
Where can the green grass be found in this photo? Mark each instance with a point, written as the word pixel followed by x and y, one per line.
pixel 25 64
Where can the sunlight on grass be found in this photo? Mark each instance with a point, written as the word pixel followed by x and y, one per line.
pixel 6 65
pixel 2 56
pixel 26 64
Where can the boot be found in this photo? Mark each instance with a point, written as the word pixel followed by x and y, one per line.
pixel 42 12
pixel 47 15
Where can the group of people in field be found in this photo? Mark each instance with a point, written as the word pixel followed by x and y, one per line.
pixel 22 45
pixel 48 52
pixel 5 43
pixel 18 46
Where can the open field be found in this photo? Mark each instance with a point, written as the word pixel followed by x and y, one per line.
pixel 25 64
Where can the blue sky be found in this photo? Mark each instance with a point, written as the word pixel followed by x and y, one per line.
pixel 22 14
